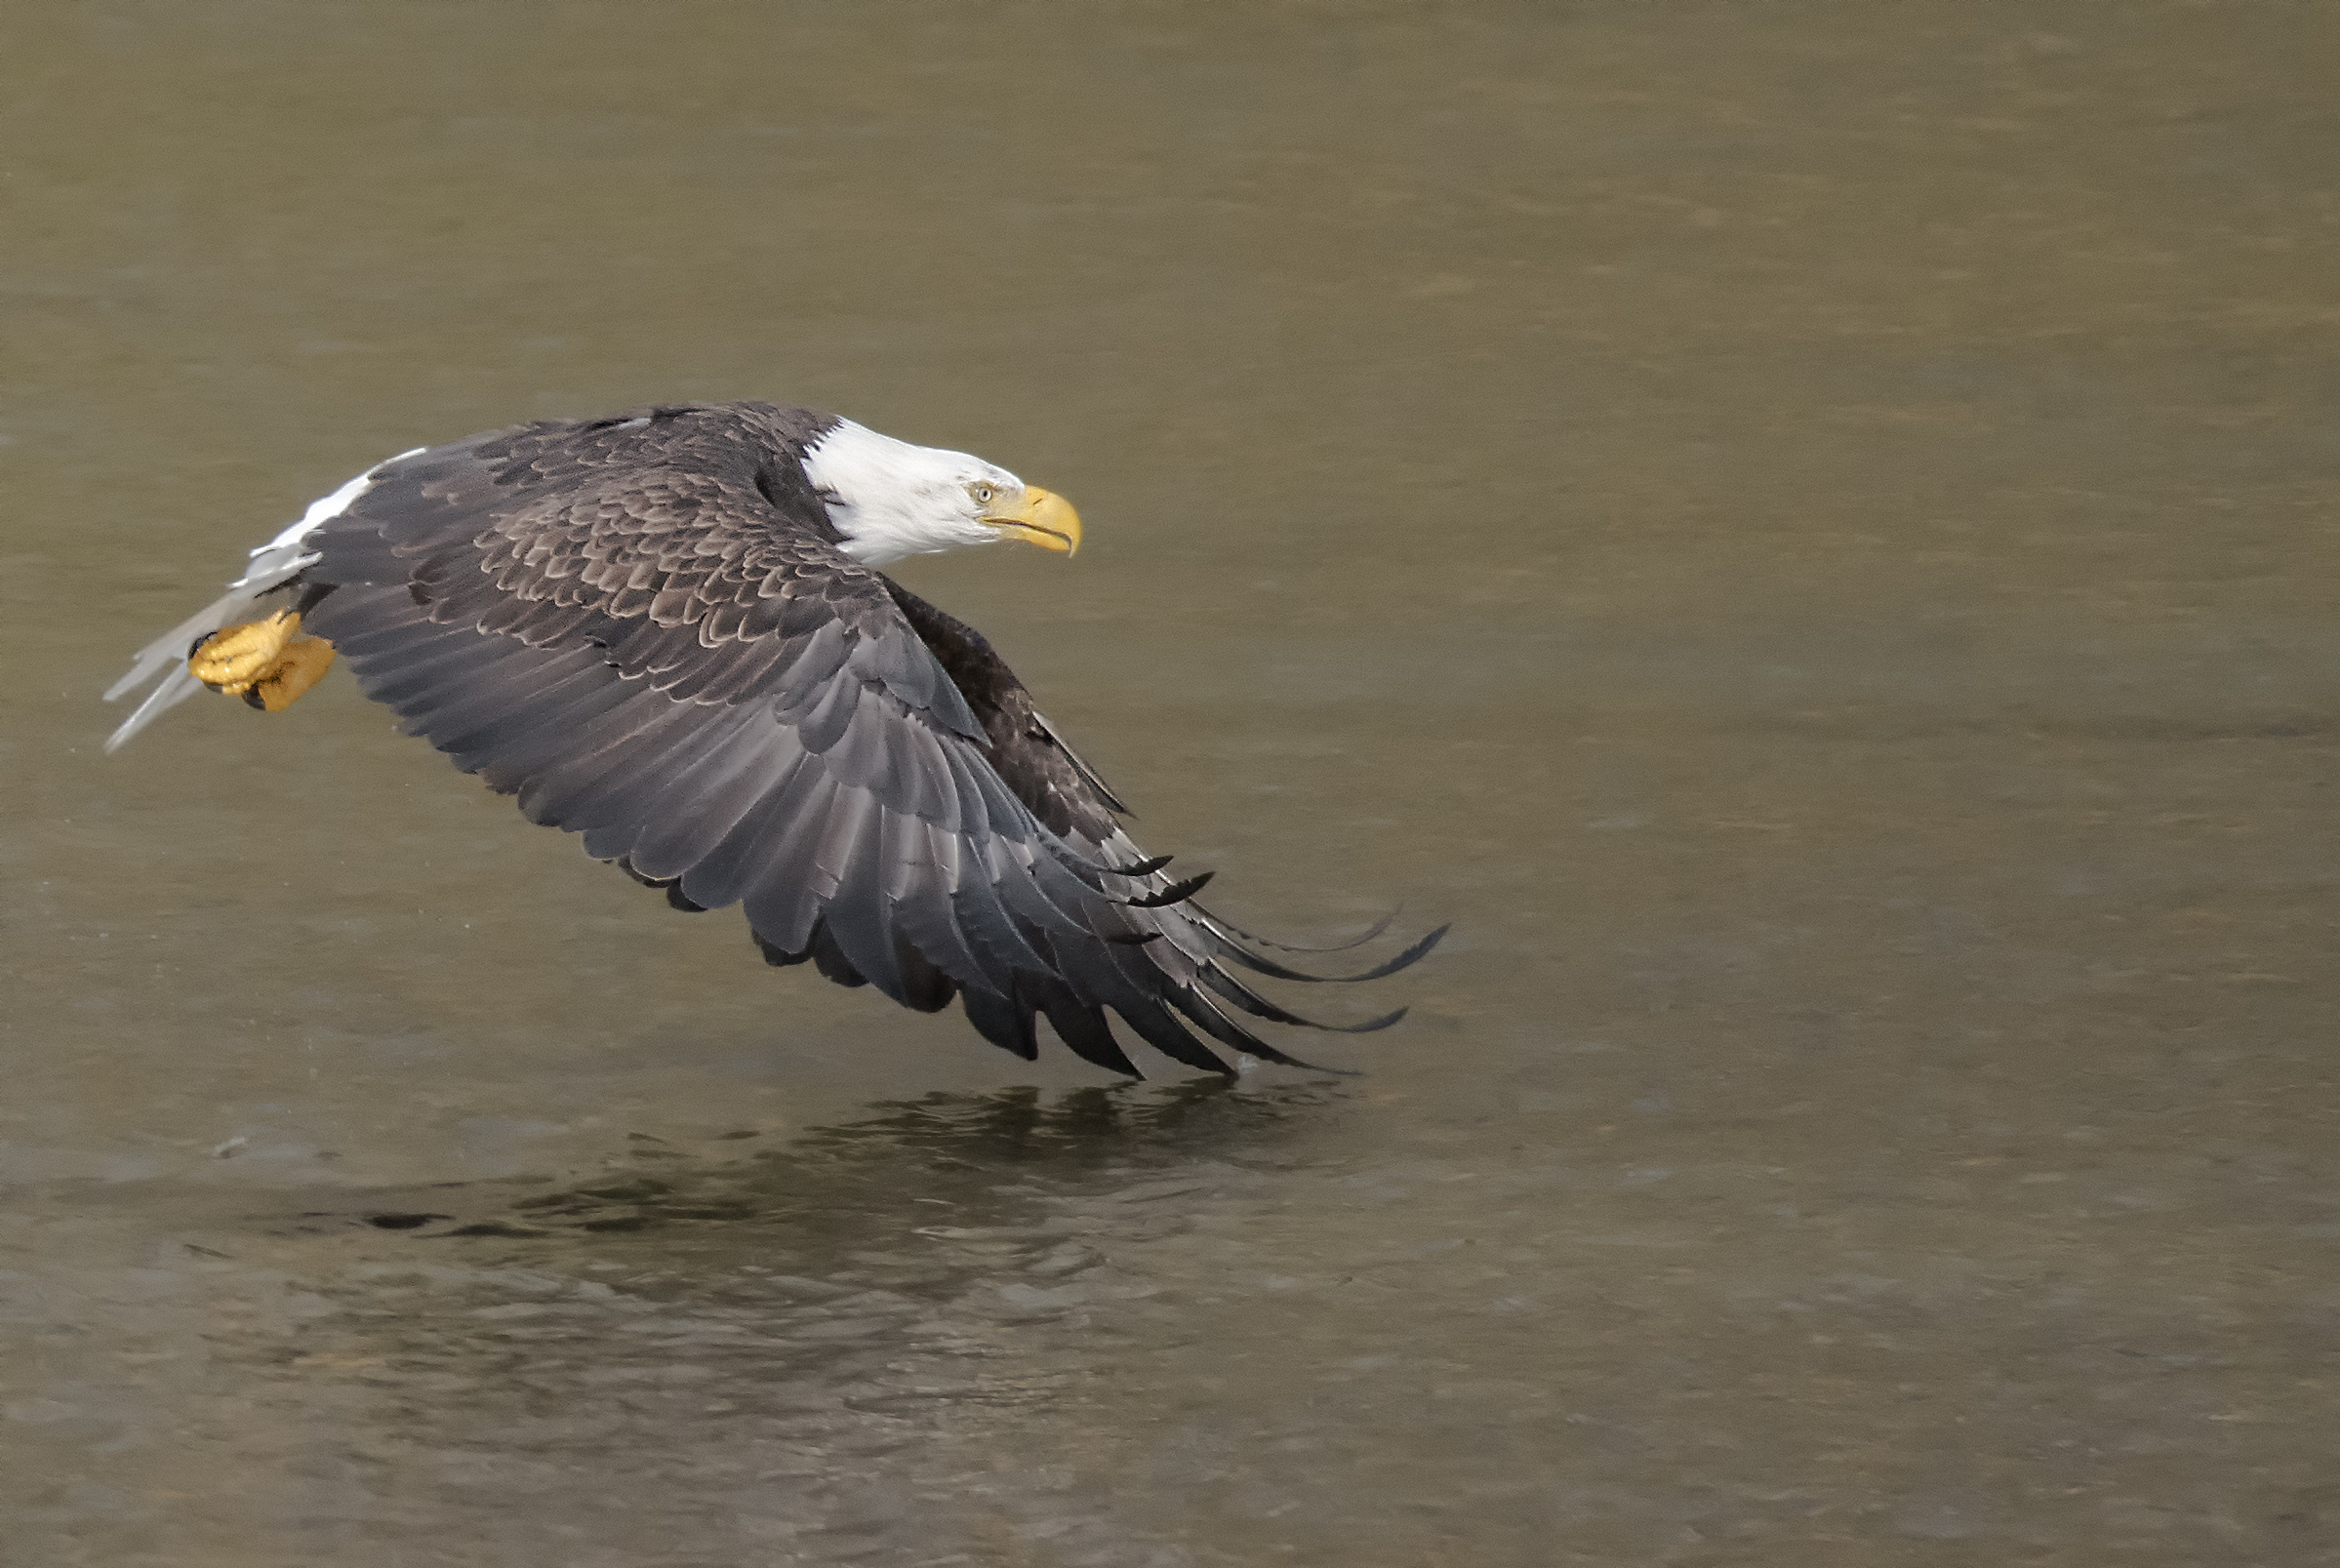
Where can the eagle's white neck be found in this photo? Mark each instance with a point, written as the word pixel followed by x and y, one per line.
pixel 889 498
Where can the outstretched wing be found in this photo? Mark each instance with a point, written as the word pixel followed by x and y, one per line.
pixel 1187 956
pixel 642 629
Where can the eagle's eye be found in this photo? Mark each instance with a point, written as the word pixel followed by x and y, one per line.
pixel 983 493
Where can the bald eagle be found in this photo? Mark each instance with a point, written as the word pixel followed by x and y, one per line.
pixel 665 630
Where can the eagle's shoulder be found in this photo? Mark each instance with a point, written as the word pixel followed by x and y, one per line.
pixel 613 512
pixel 682 541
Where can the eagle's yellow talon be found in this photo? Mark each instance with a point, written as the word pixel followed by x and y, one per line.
pixel 262 661
pixel 230 660
pixel 302 665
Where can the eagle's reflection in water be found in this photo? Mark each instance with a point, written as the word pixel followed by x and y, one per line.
pixel 838 1342
pixel 948 1152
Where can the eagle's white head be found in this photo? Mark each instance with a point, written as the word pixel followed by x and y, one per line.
pixel 889 498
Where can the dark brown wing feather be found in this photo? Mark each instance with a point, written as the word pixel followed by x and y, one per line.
pixel 642 628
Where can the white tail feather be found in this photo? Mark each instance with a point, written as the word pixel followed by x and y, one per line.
pixel 273 565
pixel 175 688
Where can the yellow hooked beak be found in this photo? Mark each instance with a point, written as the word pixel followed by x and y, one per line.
pixel 1043 518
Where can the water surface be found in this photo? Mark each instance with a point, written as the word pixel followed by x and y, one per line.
pixel 1806 530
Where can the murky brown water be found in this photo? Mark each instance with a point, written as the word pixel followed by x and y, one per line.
pixel 1805 529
